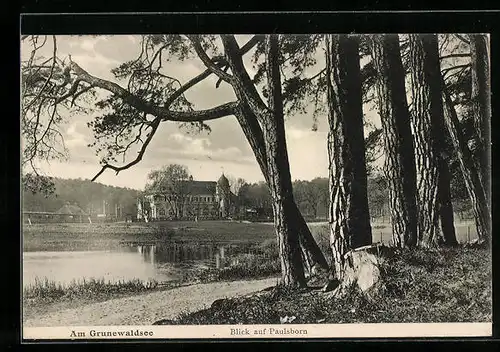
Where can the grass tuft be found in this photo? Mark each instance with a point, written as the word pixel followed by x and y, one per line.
pixel 45 289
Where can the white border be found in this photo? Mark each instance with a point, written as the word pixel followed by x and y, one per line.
pixel 285 331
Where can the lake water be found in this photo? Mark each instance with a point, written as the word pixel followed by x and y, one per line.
pixel 145 262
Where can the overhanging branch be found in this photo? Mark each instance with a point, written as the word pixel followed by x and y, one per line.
pixel 117 169
pixel 219 62
pixel 161 112
pixel 209 63
pixel 244 49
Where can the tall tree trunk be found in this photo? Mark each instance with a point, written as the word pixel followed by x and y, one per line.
pixel 399 167
pixel 252 113
pixel 428 127
pixel 312 255
pixel 287 233
pixel 481 103
pixel 477 194
pixel 349 214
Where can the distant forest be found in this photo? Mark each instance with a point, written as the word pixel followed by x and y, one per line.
pixel 92 197
pixel 311 197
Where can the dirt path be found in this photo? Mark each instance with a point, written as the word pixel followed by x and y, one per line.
pixel 146 309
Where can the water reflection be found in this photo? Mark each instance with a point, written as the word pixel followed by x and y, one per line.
pixel 184 254
pixel 166 262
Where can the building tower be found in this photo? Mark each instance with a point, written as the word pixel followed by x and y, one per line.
pixel 223 192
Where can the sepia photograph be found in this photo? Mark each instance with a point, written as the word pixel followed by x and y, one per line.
pixel 256 186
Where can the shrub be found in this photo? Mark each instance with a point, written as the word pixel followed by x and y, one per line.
pixel 269 248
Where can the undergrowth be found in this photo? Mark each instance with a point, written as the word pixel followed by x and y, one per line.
pixel 423 285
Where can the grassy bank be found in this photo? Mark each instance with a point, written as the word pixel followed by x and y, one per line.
pixel 446 285
pixel 67 237
pixel 102 236
pixel 44 289
pixel 420 286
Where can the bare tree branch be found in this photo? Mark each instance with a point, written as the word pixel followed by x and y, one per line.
pixel 117 169
pixel 446 70
pixel 207 61
pixel 453 56
pixel 462 38
pixel 50 74
pixel 159 111
pixel 457 74
pixel 244 49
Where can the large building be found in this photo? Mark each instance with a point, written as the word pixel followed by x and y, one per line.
pixel 193 200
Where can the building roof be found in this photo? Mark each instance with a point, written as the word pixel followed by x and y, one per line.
pixel 71 209
pixel 199 187
pixel 223 182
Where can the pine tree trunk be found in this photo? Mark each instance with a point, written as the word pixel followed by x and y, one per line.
pixel 251 115
pixel 273 127
pixel 481 106
pixel 313 257
pixel 399 167
pixel 477 194
pixel 428 127
pixel 349 214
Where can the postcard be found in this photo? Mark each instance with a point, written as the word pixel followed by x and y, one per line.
pixel 255 186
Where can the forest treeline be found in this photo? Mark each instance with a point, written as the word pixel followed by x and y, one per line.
pixel 91 197
pixel 311 197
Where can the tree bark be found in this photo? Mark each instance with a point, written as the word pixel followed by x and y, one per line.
pixel 312 255
pixel 399 167
pixel 248 117
pixel 349 214
pixel 287 232
pixel 428 127
pixel 477 194
pixel 481 106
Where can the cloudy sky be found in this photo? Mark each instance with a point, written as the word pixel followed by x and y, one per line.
pixel 206 155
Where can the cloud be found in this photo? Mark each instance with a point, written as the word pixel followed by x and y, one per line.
pixel 74 138
pixel 97 64
pixel 89 43
pixel 182 146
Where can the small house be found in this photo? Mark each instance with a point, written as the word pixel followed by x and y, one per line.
pixel 72 213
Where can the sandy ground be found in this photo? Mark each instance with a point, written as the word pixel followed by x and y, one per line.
pixel 147 308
